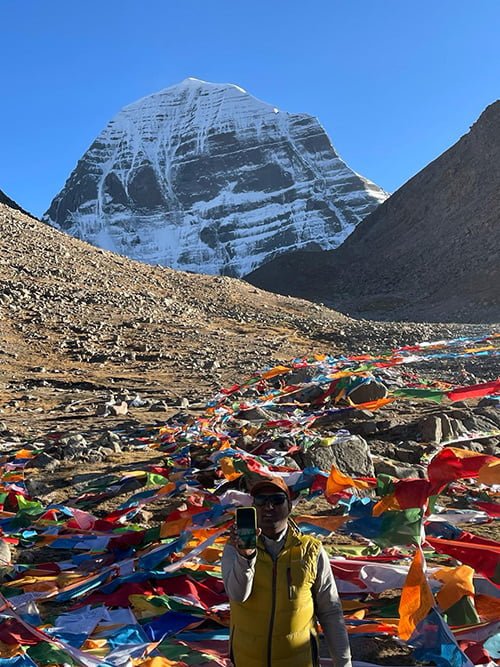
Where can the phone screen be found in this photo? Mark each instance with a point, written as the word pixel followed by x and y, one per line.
pixel 246 527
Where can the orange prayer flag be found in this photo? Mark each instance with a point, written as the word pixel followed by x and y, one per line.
pixel 337 482
pixel 389 502
pixel 372 405
pixel 211 554
pixel 463 453
pixel 487 607
pixel 165 489
pixel 174 528
pixel 227 467
pixel 277 370
pixel 10 650
pixel 416 597
pixel 489 473
pixel 457 582
pixel 24 454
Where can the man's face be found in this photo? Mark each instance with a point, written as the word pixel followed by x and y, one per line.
pixel 273 508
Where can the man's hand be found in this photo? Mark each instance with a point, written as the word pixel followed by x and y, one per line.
pixel 237 544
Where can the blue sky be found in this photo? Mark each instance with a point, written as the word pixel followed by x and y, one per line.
pixel 394 82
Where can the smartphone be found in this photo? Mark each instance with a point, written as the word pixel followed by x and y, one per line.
pixel 246 527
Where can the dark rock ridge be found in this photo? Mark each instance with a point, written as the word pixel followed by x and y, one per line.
pixel 429 252
pixel 10 202
pixel 206 178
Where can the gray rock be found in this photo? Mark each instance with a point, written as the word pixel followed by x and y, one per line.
pixel 5 555
pixel 492 446
pixel 44 460
pixel 387 467
pixel 409 452
pixel 488 402
pixel 159 406
pixel 430 429
pixel 367 392
pixel 447 431
pixel 491 412
pixel 254 415
pixel 364 428
pixel 359 414
pixel 351 455
pixel 138 402
pixel 119 409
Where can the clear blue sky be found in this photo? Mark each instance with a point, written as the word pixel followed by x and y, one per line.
pixel 394 82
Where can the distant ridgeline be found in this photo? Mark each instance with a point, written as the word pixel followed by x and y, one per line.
pixel 429 252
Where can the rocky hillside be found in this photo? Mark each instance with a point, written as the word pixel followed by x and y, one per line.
pixel 430 252
pixel 74 316
pixel 204 177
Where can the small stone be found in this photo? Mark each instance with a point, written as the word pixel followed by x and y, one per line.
pixel 488 402
pixel 137 402
pixel 160 406
pixel 5 556
pixel 119 409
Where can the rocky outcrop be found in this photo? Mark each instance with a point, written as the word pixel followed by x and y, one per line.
pixel 429 252
pixel 204 177
pixel 11 203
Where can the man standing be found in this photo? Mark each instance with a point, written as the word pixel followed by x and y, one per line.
pixel 278 589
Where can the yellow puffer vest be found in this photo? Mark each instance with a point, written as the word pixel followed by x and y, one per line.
pixel 275 626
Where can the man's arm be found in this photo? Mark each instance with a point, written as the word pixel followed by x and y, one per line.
pixel 237 572
pixel 330 614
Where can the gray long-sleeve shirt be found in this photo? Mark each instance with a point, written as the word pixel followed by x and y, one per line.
pixel 238 573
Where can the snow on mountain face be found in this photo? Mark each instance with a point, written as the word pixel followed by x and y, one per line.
pixel 204 177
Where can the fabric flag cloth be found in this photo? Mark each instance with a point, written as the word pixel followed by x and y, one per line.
pixel 434 642
pixel 457 582
pixel 338 482
pixel 474 391
pixel 451 464
pixel 169 624
pixel 484 558
pixel 416 597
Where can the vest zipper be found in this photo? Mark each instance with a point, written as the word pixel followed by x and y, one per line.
pixel 273 609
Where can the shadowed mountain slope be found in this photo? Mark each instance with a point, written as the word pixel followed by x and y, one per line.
pixel 429 253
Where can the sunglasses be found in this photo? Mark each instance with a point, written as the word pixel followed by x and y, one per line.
pixel 272 499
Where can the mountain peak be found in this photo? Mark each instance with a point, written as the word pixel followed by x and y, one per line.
pixel 205 177
pixel 197 97
pixel 194 82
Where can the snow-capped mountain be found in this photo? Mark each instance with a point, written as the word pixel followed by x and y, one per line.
pixel 204 177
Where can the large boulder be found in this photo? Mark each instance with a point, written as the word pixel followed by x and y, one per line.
pixel 351 455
